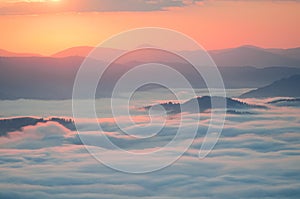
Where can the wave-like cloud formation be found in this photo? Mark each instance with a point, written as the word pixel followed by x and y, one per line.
pixel 257 156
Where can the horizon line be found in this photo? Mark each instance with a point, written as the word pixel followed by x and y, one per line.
pixel 87 46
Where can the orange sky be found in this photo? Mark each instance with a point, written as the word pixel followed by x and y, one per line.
pixel 214 24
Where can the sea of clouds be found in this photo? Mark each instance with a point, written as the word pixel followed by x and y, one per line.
pixel 257 156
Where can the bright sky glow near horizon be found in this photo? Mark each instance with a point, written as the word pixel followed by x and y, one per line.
pixel 46 27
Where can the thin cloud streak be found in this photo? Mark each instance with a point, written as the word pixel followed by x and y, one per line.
pixel 59 6
pixel 41 7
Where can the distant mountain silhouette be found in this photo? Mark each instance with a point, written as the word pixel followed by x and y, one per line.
pixel 251 77
pixel 38 77
pixel 286 87
pixel 241 56
pixel 235 57
pixel 5 53
pixel 80 51
pixel 258 57
pixel 52 78
pixel 291 52
pixel 16 124
pixel 233 106
pixel 102 54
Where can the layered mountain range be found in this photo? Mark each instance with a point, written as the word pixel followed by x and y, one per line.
pixel 33 76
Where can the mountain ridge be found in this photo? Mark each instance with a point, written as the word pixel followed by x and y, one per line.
pixel 6 53
pixel 52 78
pixel 245 55
pixel 205 103
pixel 285 87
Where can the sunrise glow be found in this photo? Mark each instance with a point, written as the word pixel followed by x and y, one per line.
pixel 209 23
pixel 149 99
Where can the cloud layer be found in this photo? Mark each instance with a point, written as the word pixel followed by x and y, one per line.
pixel 39 7
pixel 22 7
pixel 257 156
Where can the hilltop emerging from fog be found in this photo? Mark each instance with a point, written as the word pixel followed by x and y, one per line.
pixel 205 103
